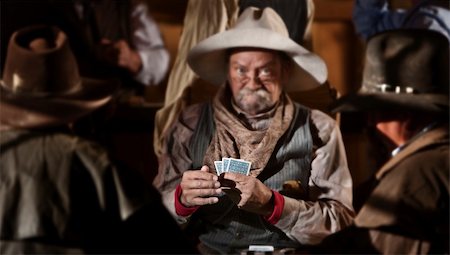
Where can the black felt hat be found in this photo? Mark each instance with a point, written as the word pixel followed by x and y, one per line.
pixel 405 69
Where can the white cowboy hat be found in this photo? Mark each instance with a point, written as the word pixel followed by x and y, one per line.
pixel 404 69
pixel 41 85
pixel 259 29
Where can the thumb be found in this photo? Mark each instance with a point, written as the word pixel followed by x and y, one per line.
pixel 105 41
pixel 205 168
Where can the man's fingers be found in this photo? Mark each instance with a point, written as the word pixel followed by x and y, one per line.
pixel 205 200
pixel 203 174
pixel 200 184
pixel 200 187
pixel 201 196
pixel 208 192
pixel 234 176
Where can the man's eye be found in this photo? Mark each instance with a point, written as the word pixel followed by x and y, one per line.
pixel 240 70
pixel 265 72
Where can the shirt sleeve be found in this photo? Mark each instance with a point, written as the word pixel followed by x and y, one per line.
pixel 329 207
pixel 149 45
pixel 373 16
pixel 180 209
pixel 175 160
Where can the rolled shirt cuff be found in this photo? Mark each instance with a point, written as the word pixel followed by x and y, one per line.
pixel 278 206
pixel 180 209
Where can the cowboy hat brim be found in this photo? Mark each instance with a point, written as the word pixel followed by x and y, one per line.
pixel 26 111
pixel 365 102
pixel 208 58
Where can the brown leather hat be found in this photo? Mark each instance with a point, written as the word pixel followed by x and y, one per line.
pixel 41 85
pixel 404 69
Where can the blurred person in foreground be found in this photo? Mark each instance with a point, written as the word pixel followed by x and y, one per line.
pixel 298 188
pixel 59 192
pixel 405 95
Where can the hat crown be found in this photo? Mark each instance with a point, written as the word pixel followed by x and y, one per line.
pixel 39 62
pixel 414 62
pixel 265 18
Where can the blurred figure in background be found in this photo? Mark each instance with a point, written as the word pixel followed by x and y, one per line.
pixel 60 193
pixel 405 94
pixel 373 16
pixel 110 39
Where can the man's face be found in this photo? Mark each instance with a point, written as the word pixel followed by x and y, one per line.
pixel 391 125
pixel 255 77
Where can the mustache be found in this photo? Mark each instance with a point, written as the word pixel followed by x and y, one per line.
pixel 261 100
pixel 260 92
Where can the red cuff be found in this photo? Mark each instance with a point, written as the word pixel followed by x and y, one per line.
pixel 278 205
pixel 180 209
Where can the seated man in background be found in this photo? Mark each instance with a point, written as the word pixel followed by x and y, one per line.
pixel 110 39
pixel 252 166
pixel 405 93
pixel 60 193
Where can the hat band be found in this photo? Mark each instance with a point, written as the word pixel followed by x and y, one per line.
pixel 386 88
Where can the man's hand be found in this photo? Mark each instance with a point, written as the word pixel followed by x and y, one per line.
pixel 199 187
pixel 120 54
pixel 248 192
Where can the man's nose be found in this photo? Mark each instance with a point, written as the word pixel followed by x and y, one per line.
pixel 254 83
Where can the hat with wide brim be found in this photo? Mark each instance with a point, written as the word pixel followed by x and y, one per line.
pixel 41 85
pixel 263 29
pixel 405 69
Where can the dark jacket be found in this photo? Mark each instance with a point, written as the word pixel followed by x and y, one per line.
pixel 62 194
pixel 408 210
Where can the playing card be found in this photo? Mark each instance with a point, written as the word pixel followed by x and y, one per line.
pixel 219 167
pixel 239 166
pixel 225 162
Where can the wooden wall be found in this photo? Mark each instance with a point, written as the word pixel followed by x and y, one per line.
pixel 169 15
pixel 335 40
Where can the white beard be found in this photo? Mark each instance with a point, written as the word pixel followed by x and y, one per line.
pixel 254 102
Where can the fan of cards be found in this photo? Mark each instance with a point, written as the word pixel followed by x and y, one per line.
pixel 232 165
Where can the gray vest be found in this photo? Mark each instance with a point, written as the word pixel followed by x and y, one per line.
pixel 226 228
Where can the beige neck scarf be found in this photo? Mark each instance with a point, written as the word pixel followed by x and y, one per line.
pixel 234 138
pixel 259 121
